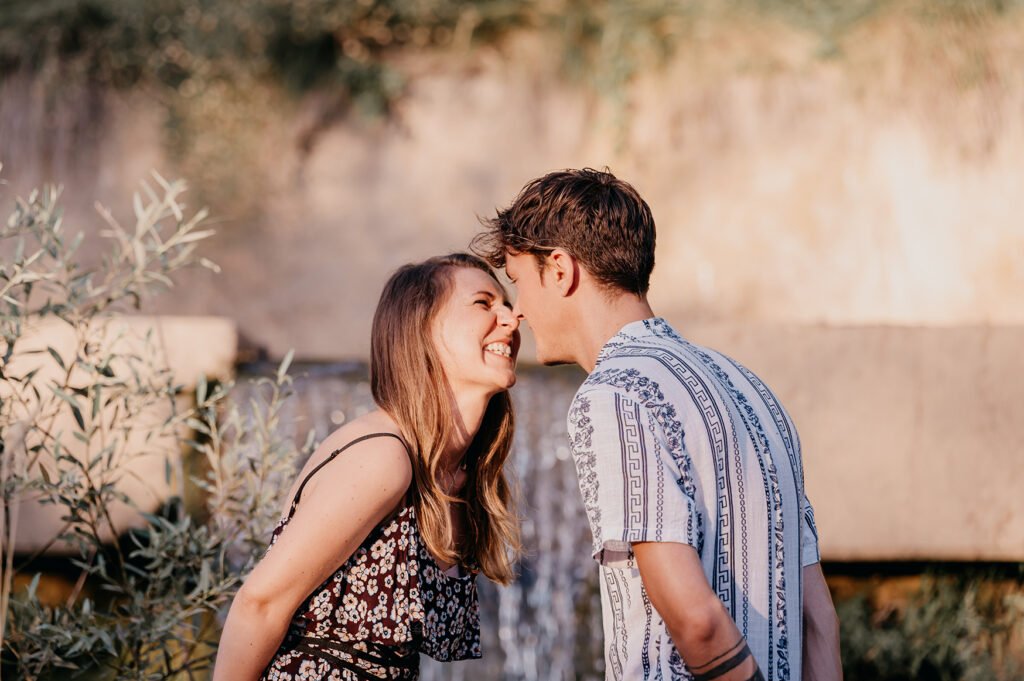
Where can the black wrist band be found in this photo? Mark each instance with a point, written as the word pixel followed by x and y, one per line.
pixel 726 666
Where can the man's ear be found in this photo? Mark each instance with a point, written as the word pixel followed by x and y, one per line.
pixel 563 270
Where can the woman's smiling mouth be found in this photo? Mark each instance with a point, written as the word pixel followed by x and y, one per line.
pixel 501 349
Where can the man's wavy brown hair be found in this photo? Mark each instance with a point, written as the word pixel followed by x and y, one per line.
pixel 600 220
pixel 409 383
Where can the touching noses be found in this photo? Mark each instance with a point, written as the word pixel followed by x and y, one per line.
pixel 508 318
pixel 516 311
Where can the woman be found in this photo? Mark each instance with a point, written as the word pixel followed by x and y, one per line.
pixel 395 513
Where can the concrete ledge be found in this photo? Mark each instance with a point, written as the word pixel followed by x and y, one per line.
pixel 189 346
pixel 913 438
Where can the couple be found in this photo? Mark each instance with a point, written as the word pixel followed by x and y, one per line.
pixel 689 467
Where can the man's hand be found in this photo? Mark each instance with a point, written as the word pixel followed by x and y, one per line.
pixel 701 628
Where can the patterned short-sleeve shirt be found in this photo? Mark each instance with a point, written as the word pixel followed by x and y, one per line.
pixel 678 443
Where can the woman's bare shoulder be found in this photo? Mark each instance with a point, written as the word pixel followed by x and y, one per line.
pixel 376 421
pixel 379 458
pixel 375 456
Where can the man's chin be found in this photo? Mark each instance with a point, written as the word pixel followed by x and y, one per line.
pixel 554 362
pixel 547 360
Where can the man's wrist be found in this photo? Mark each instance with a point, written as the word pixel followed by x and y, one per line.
pixel 727 662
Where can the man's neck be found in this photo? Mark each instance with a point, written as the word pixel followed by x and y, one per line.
pixel 607 319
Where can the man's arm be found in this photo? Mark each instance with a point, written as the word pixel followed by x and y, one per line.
pixel 699 624
pixel 821 629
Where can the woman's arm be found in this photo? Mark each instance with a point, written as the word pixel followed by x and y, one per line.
pixel 341 504
pixel 821 629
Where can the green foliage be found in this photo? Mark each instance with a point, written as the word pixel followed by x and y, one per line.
pixel 145 602
pixel 952 628
pixel 220 68
pixel 185 52
pixel 185 44
pixel 181 48
pixel 225 72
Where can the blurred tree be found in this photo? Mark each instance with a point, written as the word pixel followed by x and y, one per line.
pixel 144 601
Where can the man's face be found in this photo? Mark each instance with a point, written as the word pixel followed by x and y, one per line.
pixel 540 304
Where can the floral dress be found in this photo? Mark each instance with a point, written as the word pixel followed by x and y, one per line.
pixel 385 605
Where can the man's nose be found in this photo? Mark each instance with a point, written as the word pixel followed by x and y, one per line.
pixel 517 312
pixel 508 318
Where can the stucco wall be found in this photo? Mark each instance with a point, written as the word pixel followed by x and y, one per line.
pixel 844 221
pixel 913 439
pixel 874 186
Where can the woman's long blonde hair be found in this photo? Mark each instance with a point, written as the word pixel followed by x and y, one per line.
pixel 409 383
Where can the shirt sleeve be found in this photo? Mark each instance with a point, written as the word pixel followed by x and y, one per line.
pixel 809 534
pixel 634 478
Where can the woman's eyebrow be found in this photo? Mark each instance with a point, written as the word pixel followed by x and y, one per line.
pixel 504 301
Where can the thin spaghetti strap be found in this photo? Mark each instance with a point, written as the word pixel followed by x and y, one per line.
pixel 336 452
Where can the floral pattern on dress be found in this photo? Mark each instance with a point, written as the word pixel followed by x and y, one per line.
pixel 385 605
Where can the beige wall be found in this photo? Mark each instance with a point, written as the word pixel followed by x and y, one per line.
pixel 913 439
pixel 873 187
pixel 847 225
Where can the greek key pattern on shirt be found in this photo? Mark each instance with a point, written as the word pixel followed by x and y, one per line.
pixel 786 431
pixel 646 391
pixel 701 394
pixel 737 461
pixel 777 578
pixel 734 427
pixel 791 439
pixel 773 494
pixel 634 469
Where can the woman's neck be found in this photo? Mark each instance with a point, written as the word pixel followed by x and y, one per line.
pixel 468 408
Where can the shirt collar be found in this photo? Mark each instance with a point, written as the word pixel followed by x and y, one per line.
pixel 632 333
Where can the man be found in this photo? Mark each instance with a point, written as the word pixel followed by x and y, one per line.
pixel 689 466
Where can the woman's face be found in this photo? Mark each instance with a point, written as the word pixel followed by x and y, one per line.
pixel 475 334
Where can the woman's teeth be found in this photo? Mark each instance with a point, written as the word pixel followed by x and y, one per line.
pixel 503 349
